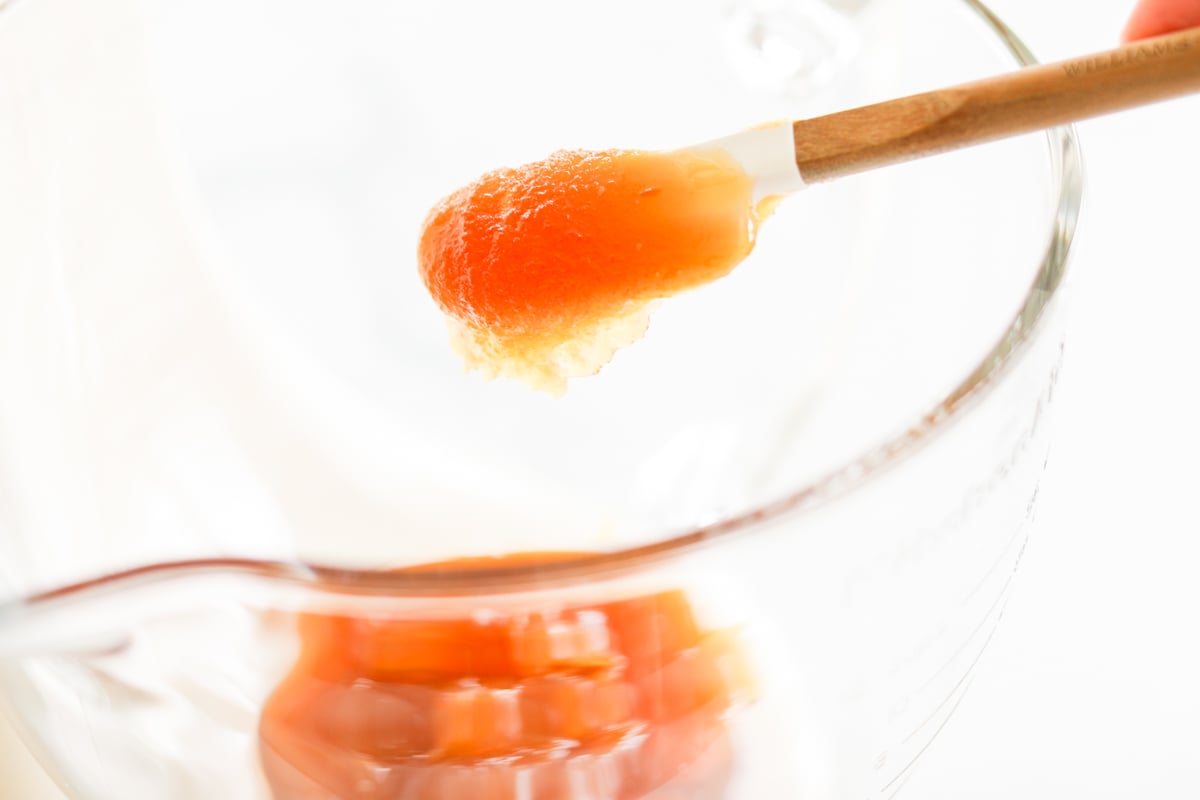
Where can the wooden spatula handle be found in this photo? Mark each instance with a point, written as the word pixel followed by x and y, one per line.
pixel 1027 100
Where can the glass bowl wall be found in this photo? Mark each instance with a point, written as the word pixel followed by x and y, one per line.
pixel 228 400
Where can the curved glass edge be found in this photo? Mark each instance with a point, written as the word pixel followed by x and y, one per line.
pixel 34 611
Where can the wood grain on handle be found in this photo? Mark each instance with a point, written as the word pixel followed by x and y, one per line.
pixel 972 113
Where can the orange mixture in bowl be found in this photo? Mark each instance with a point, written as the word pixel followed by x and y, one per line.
pixel 624 699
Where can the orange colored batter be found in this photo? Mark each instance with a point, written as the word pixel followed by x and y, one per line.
pixel 624 699
pixel 546 269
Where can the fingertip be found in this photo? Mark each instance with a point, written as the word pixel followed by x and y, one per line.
pixel 1158 17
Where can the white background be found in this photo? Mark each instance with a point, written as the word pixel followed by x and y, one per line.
pixel 1091 688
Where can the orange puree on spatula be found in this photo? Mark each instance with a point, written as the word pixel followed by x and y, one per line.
pixel 545 270
pixel 619 699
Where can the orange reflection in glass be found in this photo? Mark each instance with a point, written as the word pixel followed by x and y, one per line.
pixel 625 699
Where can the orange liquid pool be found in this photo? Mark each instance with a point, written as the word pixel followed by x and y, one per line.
pixel 625 699
pixel 545 269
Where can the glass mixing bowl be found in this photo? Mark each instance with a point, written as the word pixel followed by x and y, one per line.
pixel 776 534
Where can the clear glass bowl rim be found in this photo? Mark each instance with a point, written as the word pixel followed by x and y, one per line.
pixel 835 484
